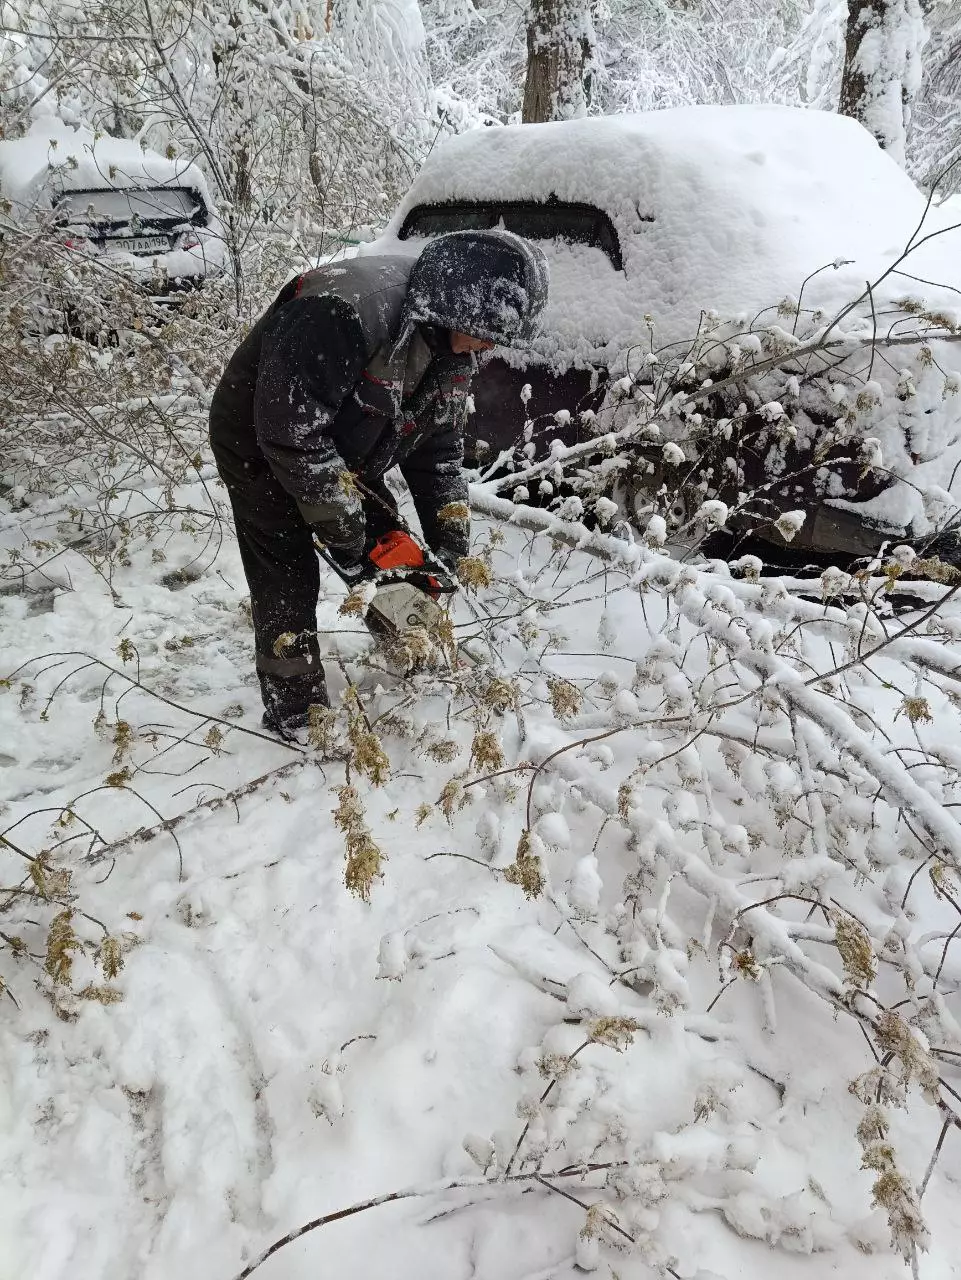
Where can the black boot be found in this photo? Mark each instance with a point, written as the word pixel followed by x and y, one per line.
pixel 290 685
pixel 287 702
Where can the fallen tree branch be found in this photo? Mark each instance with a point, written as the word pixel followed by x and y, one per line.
pixel 635 555
pixel 134 682
pixel 145 834
pixel 416 1193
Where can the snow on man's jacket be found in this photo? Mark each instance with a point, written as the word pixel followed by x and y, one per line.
pixel 349 372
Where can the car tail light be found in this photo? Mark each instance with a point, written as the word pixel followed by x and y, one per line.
pixel 190 241
pixel 74 242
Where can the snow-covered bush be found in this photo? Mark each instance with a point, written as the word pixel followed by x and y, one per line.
pixel 791 407
pixel 104 392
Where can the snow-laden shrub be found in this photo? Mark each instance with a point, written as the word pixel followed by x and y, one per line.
pixel 767 414
pixel 105 394
pixel 771 827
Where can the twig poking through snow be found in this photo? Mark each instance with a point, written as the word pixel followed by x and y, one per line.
pixel 414 1193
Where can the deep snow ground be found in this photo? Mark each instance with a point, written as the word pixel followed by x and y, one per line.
pixel 283 1049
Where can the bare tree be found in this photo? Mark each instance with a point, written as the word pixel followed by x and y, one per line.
pixel 882 67
pixel 560 51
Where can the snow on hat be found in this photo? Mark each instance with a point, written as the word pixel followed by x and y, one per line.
pixel 487 284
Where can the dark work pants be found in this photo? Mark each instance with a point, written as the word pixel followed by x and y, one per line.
pixel 280 565
pixel 283 574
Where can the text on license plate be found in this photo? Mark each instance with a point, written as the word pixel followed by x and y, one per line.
pixel 140 244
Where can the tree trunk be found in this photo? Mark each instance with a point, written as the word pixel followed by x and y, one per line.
pixel 882 68
pixel 560 49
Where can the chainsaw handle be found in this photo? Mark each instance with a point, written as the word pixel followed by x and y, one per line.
pixel 352 573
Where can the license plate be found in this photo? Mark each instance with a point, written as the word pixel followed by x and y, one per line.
pixel 140 244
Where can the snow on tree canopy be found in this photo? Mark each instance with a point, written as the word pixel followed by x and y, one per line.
pixel 720 208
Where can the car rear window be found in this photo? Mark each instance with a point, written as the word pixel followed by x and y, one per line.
pixel 547 220
pixel 150 205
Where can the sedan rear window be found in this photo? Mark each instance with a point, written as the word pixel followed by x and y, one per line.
pixel 534 220
pixel 118 207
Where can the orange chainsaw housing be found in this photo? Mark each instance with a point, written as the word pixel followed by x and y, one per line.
pixel 397 550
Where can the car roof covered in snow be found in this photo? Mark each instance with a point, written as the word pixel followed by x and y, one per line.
pixel 54 157
pixel 727 209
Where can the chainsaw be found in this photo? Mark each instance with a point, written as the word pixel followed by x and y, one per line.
pixel 408 584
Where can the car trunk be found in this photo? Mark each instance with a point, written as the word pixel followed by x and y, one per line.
pixel 139 221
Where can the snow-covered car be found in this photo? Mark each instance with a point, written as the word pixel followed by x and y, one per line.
pixel 148 216
pixel 664 228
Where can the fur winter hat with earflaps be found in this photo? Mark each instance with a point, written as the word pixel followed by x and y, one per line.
pixel 487 284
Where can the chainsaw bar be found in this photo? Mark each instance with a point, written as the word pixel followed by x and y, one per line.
pixel 398 607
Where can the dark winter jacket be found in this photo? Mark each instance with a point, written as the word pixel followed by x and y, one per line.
pixel 316 389
pixel 349 372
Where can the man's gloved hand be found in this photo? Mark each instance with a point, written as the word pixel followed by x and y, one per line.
pixel 350 562
pixel 341 530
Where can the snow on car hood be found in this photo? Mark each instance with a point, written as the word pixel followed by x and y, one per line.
pixel 746 203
